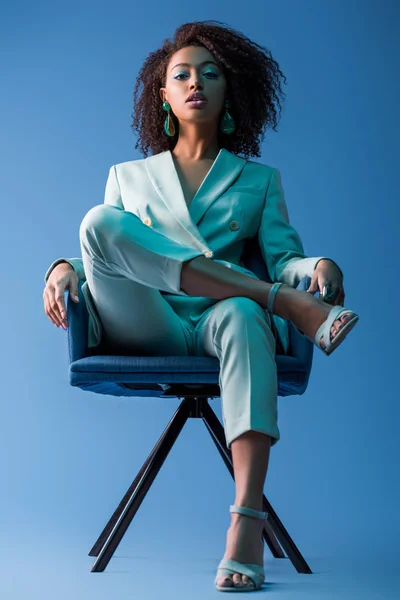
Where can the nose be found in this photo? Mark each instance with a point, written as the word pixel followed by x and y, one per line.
pixel 196 81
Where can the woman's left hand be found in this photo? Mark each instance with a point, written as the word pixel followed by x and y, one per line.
pixel 328 273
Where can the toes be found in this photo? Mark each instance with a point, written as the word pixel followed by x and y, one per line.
pixel 242 580
pixel 247 582
pixel 340 323
pixel 225 581
pixel 237 580
pixel 336 327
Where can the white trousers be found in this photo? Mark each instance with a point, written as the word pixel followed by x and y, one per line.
pixel 127 265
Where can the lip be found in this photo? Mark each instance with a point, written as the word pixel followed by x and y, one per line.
pixel 197 103
pixel 194 97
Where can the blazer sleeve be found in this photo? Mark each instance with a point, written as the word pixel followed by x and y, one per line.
pixel 112 196
pixel 280 244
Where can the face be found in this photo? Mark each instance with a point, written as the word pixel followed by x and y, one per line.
pixel 200 74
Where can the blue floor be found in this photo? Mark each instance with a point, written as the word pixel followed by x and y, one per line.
pixel 35 570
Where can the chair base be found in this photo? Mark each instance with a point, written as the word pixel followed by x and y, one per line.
pixel 192 406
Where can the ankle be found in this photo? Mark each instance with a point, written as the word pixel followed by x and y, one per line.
pixel 282 300
pixel 248 502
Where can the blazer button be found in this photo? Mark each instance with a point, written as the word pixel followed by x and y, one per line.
pixel 234 225
pixel 147 221
pixel 208 254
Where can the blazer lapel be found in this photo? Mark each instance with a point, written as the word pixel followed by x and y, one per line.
pixel 162 173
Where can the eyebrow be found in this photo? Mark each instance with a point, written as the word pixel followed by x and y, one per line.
pixel 202 63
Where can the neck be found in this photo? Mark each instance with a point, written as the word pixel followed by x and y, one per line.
pixel 193 148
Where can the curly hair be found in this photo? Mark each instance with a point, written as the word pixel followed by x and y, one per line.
pixel 253 88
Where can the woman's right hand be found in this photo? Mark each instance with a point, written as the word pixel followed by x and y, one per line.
pixel 62 277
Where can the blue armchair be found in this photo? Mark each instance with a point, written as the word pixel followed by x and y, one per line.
pixel 195 380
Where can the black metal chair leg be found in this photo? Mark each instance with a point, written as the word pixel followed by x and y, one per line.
pixel 121 507
pixel 138 492
pixel 216 430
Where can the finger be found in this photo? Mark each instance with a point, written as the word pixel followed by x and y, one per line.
pixel 313 285
pixel 59 298
pixel 54 306
pixel 332 300
pixel 338 295
pixel 74 291
pixel 51 314
pixel 335 299
pixel 340 292
pixel 322 289
pixel 56 319
pixel 47 309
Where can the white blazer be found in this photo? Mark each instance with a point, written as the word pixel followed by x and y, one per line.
pixel 238 199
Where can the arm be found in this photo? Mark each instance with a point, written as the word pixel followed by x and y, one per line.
pixel 112 196
pixel 280 244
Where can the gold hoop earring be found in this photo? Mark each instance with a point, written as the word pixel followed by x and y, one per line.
pixel 169 126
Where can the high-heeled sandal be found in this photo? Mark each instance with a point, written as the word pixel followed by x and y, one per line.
pixel 228 566
pixel 325 329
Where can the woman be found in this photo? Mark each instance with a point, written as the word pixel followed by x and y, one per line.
pixel 150 284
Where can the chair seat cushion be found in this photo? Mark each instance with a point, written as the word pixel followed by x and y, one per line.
pixel 107 374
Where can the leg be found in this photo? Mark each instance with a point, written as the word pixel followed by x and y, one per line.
pixel 136 319
pixel 202 276
pixel 248 383
pixel 250 457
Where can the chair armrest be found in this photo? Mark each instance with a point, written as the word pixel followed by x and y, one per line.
pixel 78 322
pixel 300 346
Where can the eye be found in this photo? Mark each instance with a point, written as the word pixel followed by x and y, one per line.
pixel 215 75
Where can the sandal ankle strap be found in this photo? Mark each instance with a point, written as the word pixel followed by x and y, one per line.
pixel 249 512
pixel 271 296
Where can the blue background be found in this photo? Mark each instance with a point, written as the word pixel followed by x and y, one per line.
pixel 67 457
